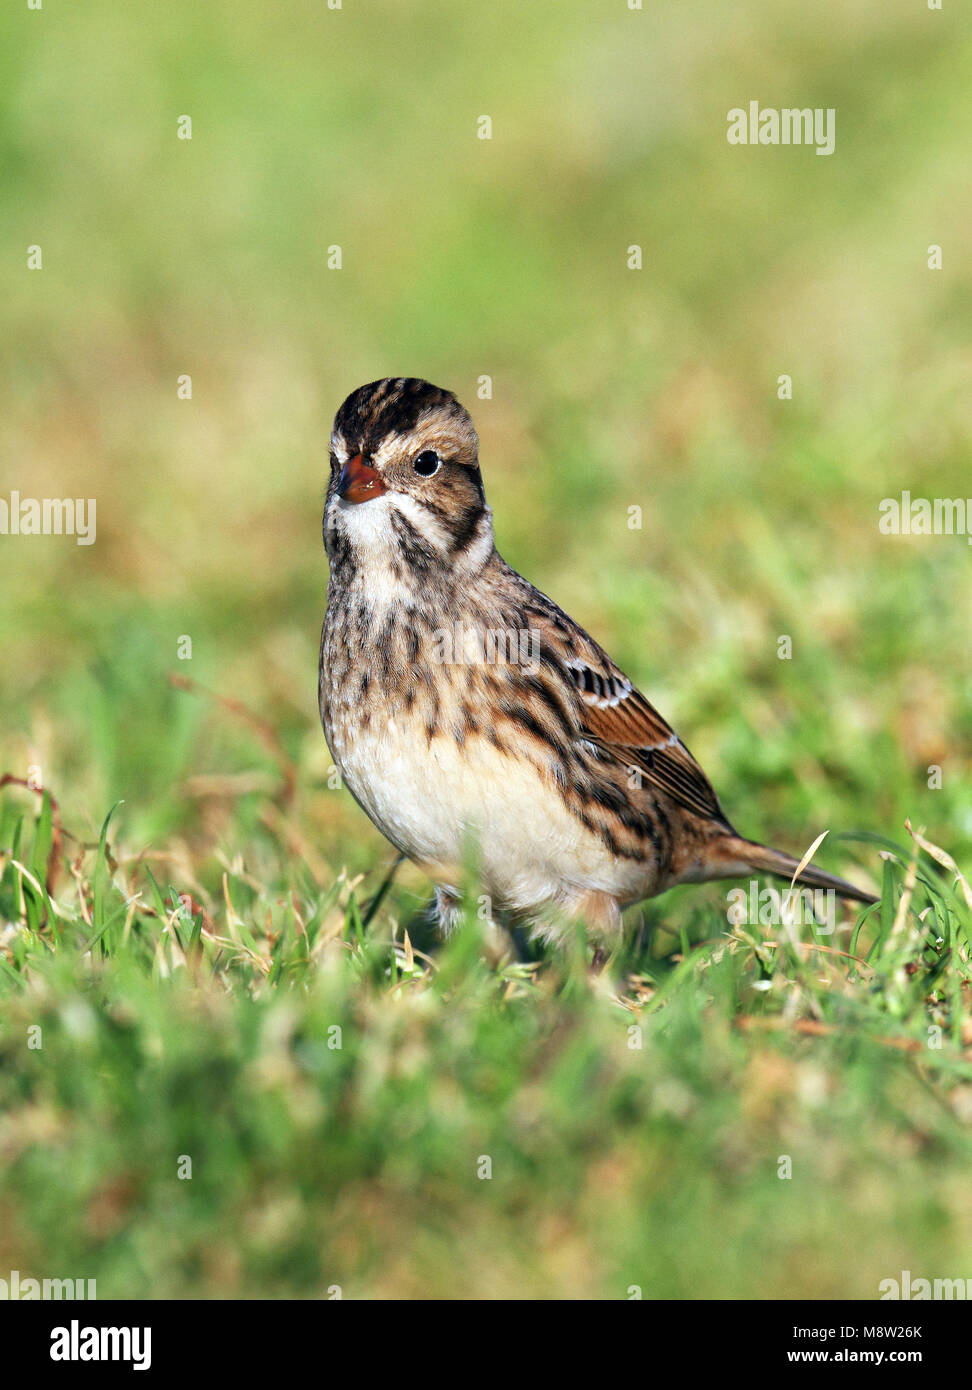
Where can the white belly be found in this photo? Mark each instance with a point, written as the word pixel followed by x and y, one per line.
pixel 438 803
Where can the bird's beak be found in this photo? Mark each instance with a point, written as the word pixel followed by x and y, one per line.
pixel 358 482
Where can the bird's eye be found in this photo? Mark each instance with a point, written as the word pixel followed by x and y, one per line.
pixel 426 463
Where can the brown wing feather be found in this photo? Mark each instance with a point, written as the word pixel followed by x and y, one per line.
pixel 640 738
pixel 619 719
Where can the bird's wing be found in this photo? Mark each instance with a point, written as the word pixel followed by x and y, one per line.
pixel 617 719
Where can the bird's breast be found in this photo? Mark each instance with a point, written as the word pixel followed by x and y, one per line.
pixel 421 744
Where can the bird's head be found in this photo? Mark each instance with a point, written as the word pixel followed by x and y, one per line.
pixel 405 485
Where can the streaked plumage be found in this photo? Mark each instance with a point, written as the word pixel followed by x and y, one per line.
pixel 458 700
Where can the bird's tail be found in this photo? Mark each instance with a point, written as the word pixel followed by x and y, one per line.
pixel 746 856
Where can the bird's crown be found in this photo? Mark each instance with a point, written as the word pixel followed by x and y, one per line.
pixel 396 406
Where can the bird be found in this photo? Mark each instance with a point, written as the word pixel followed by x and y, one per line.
pixel 463 707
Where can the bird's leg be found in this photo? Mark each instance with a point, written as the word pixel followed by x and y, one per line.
pixel 498 942
pixel 446 909
pixel 379 897
pixel 601 915
pixel 598 960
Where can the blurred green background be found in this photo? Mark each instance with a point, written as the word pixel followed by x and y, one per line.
pixel 611 388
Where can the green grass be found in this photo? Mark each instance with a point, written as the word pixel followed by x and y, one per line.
pixel 337 1092
pixel 188 954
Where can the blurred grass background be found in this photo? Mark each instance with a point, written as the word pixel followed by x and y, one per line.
pixel 612 388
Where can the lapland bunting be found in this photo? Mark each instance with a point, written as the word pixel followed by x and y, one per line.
pixel 458 701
